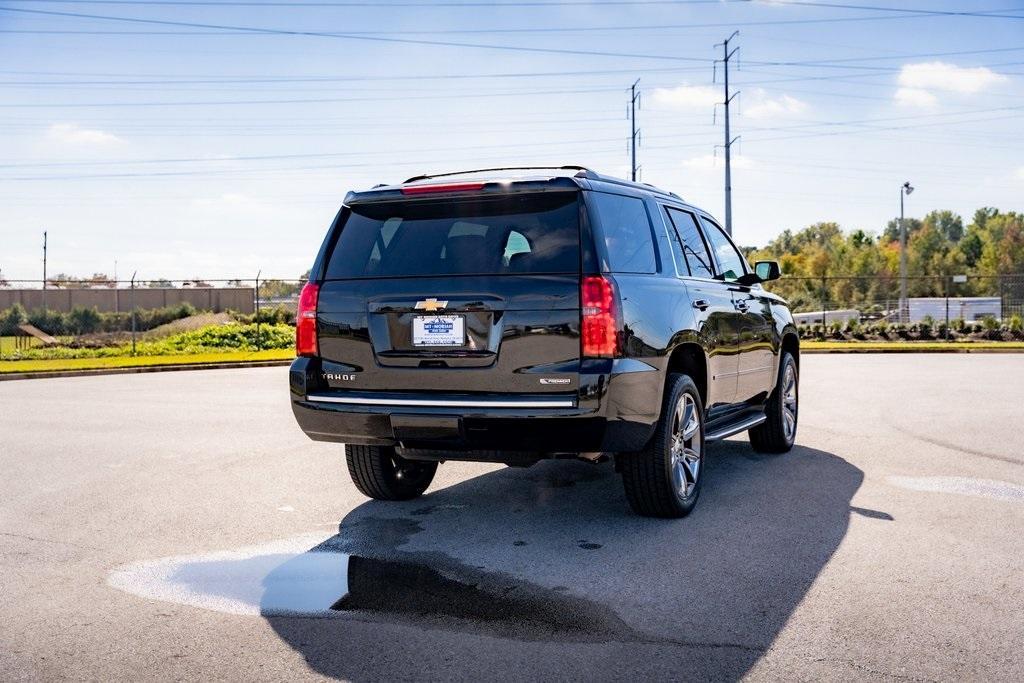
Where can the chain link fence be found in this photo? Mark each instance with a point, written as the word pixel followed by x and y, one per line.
pixel 970 298
pixel 107 314
pixel 118 314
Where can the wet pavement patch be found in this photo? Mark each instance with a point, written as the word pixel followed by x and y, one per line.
pixel 511 607
pixel 309 576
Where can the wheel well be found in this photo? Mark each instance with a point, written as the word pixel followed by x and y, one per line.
pixel 791 343
pixel 689 359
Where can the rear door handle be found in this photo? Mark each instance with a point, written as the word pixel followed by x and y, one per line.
pixel 701 304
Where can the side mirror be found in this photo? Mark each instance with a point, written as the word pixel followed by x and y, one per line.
pixel 767 270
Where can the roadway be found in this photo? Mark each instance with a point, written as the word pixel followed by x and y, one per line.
pixel 180 526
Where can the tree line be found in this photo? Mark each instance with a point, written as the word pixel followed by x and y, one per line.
pixel 858 269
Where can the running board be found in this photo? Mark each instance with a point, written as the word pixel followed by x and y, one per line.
pixel 735 427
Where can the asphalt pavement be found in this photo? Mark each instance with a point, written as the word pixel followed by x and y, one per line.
pixel 179 526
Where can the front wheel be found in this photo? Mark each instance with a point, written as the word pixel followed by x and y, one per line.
pixel 664 479
pixel 778 433
pixel 379 472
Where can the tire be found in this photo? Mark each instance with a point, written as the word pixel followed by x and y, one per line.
pixel 778 433
pixel 378 472
pixel 664 479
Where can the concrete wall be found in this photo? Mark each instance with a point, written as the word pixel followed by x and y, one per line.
pixel 215 299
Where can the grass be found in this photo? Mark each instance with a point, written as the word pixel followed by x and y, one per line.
pixel 7 344
pixel 58 364
pixel 911 346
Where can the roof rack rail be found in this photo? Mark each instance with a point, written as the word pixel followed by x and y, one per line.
pixel 586 171
pixel 631 183
pixel 581 172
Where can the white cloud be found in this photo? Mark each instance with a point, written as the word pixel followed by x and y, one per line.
pixel 919 82
pixel 687 97
pixel 713 161
pixel 915 97
pixel 943 76
pixel 762 106
pixel 73 134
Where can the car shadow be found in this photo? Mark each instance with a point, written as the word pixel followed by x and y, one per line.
pixel 545 572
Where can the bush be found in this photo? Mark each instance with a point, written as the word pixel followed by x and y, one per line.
pixel 11 318
pixel 83 320
pixel 235 337
pixel 51 322
pixel 957 324
pixel 230 337
pixel 1015 324
pixel 275 315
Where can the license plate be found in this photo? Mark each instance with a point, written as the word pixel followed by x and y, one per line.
pixel 438 330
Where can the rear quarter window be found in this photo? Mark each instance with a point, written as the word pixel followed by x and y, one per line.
pixel 624 226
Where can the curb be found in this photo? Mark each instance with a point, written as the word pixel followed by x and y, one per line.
pixel 47 374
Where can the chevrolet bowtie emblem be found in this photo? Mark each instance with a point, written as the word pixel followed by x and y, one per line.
pixel 430 304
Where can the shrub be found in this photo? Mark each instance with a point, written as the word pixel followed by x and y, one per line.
pixel 928 320
pixel 11 318
pixel 83 320
pixel 957 324
pixel 1015 324
pixel 230 337
pixel 51 322
pixel 989 323
pixel 274 315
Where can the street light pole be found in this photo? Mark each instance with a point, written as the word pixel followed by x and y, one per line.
pixel 905 189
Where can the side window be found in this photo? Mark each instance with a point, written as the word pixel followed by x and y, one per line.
pixel 730 262
pixel 627 233
pixel 695 253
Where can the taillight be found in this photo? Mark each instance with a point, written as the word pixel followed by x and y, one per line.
pixel 599 329
pixel 305 321
pixel 439 187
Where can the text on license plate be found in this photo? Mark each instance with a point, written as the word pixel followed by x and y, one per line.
pixel 438 330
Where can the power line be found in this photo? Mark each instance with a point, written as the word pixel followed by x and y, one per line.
pixel 307 100
pixel 471 31
pixel 348 36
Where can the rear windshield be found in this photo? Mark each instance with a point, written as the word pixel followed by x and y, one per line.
pixel 512 234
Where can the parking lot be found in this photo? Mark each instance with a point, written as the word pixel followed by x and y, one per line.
pixel 158 526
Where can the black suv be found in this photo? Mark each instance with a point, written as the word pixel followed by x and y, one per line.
pixel 510 315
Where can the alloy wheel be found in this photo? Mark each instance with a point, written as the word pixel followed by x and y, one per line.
pixel 789 407
pixel 687 447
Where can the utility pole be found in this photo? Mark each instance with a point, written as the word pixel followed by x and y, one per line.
pixel 44 270
pixel 634 100
pixel 905 190
pixel 726 56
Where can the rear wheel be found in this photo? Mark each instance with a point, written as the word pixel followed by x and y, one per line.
pixel 664 479
pixel 778 432
pixel 380 473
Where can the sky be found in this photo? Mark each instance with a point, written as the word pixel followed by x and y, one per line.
pixel 217 138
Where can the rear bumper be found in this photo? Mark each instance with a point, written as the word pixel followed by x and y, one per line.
pixel 615 409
